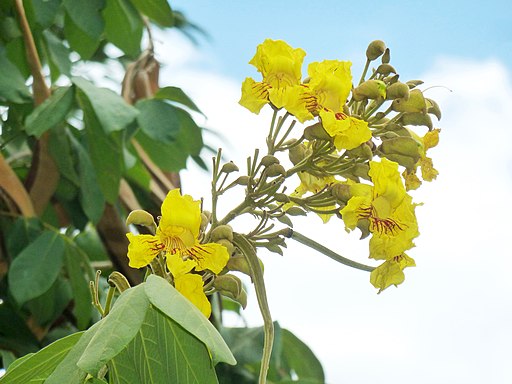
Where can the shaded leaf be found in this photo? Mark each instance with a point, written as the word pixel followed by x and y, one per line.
pixel 58 56
pixel 78 40
pixel 12 83
pixel 123 26
pixel 37 367
pixel 20 233
pixel 157 10
pixel 86 16
pixel 43 12
pixel 14 334
pixel 159 120
pixel 61 151
pixel 47 307
pixel 51 112
pixel 35 269
pixel 299 358
pixel 177 95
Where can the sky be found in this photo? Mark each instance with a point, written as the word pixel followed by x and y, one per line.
pixel 451 320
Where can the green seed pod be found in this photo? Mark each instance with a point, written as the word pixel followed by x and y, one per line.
pixel 397 90
pixel 229 167
pixel 385 69
pixel 370 89
pixel 222 232
pixel 268 160
pixel 415 103
pixel 140 217
pixel 417 118
pixel 375 49
pixel 242 180
pixel 386 57
pixel 316 131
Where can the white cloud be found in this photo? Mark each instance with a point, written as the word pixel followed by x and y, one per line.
pixel 450 321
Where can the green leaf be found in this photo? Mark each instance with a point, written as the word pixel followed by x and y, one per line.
pixel 112 112
pixel 7 358
pixel 86 16
pixel 58 56
pixel 21 233
pixel 89 241
pixel 177 95
pixel 12 83
pixel 80 287
pixel 157 10
pixel 163 352
pixel 47 307
pixel 51 112
pixel 159 120
pixel 299 358
pixel 36 268
pixel 15 334
pixel 16 53
pixel 43 12
pixel 38 366
pixel 78 40
pixel 172 303
pixel 61 151
pixel 117 330
pixel 123 26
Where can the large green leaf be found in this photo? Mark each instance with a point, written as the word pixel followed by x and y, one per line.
pixel 178 96
pixel 47 307
pixel 79 40
pixel 79 285
pixel 37 367
pixel 123 26
pixel 157 10
pixel 14 333
pixel 117 330
pixel 112 112
pixel 21 233
pixel 51 112
pixel 57 55
pixel 299 358
pixel 163 352
pixel 159 120
pixel 64 155
pixel 86 15
pixel 12 83
pixel 43 12
pixel 168 300
pixel 35 269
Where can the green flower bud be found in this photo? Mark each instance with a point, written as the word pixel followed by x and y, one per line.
pixel 375 49
pixel 417 118
pixel 386 57
pixel 414 83
pixel 275 170
pixel 230 286
pixel 433 108
pixel 242 180
pixel 222 232
pixel 415 103
pixel 229 167
pixel 341 192
pixel 205 219
pixel 141 217
pixel 298 153
pixel 397 90
pixel 228 244
pixel 316 131
pixel 240 264
pixel 281 198
pixel 295 211
pixel 370 89
pixel 406 151
pixel 385 69
pixel 268 160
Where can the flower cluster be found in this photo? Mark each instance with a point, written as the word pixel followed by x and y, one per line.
pixel 337 157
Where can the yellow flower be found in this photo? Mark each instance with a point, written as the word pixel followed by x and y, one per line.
pixel 177 238
pixel 280 66
pixel 387 208
pixel 191 286
pixel 347 131
pixel 428 172
pixel 391 272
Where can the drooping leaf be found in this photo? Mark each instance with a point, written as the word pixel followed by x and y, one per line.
pixel 157 10
pixel 47 307
pixel 38 366
pixel 123 26
pixel 12 83
pixel 163 352
pixel 43 12
pixel 159 120
pixel 58 56
pixel 82 308
pixel 35 269
pixel 177 95
pixel 78 40
pixel 299 358
pixel 51 112
pixel 112 112
pixel 63 154
pixel 86 15
pixel 168 300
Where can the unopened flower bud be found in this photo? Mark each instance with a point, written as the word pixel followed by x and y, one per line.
pixel 275 170
pixel 341 192
pixel 281 198
pixel 268 160
pixel 397 90
pixel 240 264
pixel 295 211
pixel 222 232
pixel 433 108
pixel 370 89
pixel 141 217
pixel 386 57
pixel 229 167
pixel 298 153
pixel 205 219
pixel 404 150
pixel 416 118
pixel 242 180
pixel 415 103
pixel 316 131
pixel 385 69
pixel 414 83
pixel 375 49
pixel 231 286
pixel 228 244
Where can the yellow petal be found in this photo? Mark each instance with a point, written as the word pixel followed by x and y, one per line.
pixel 428 172
pixel 178 266
pixel 331 81
pixel 180 211
pixel 210 256
pixel 254 95
pixel 348 132
pixel 431 139
pixel 191 286
pixel 391 272
pixel 142 249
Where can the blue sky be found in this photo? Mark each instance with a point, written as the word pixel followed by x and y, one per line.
pixel 450 322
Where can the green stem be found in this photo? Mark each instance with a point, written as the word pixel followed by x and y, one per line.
pixel 290 233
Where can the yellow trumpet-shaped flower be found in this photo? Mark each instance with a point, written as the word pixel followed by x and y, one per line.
pixel 391 272
pixel 176 238
pixel 280 66
pixel 387 208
